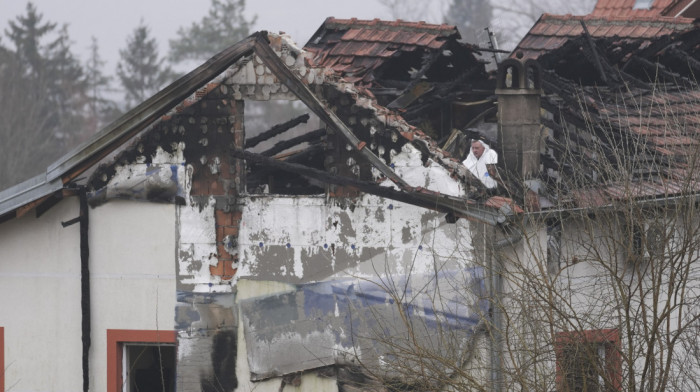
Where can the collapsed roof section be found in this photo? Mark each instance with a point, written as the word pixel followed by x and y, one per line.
pixel 622 94
pixel 189 122
pixel 419 69
pixel 554 31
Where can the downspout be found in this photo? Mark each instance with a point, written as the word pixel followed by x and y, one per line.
pixel 84 221
pixel 85 285
pixel 496 293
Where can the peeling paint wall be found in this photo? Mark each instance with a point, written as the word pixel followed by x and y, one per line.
pixel 306 239
pixel 223 237
pixel 288 243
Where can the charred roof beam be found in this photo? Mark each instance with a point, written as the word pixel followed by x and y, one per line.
pixel 429 200
pixel 276 130
pixel 285 144
pixel 286 76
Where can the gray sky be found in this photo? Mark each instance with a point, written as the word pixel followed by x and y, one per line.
pixel 112 21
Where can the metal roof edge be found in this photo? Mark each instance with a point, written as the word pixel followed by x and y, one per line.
pixel 27 192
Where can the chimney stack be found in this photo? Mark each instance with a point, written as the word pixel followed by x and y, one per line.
pixel 518 89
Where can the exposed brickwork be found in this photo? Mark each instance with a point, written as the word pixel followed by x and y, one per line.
pixel 225 181
pixel 227 226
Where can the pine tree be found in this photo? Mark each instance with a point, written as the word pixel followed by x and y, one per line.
pixel 140 70
pixel 471 18
pixel 223 26
pixel 100 109
pixel 26 33
pixel 43 96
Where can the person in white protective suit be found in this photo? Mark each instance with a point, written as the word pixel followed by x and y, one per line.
pixel 481 163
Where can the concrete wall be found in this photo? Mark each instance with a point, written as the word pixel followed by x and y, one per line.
pixel 132 264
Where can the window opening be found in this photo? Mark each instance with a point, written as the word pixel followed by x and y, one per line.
pixel 588 361
pixel 289 131
pixel 122 361
pixel 148 367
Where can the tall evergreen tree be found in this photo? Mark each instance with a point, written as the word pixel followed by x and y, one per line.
pixel 140 70
pixel 223 26
pixel 25 33
pixel 43 96
pixel 471 18
pixel 100 109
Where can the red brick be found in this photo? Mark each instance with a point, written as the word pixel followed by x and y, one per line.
pixel 219 233
pixel 217 270
pixel 215 188
pixel 229 230
pixel 223 218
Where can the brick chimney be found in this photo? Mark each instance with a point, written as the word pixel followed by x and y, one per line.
pixel 518 89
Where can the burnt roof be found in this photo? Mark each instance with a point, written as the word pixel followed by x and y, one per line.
pixel 625 8
pixel 553 31
pixel 356 48
pixel 632 102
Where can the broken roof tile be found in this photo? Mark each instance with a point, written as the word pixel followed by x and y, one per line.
pixel 553 31
pixel 375 39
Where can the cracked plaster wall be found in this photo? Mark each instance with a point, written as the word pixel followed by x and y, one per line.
pixel 305 239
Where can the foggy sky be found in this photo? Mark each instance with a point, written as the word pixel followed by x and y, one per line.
pixel 111 22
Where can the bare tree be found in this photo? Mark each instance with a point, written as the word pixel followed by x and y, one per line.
pixel 598 292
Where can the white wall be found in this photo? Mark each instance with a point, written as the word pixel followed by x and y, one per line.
pixel 40 300
pixel 132 258
pixel 132 265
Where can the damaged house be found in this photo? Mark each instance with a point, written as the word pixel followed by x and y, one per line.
pixel 345 248
pixel 183 253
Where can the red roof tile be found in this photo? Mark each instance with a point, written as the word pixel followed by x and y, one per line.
pixel 626 8
pixel 370 42
pixel 553 31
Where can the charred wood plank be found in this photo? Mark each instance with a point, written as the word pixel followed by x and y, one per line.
pixel 433 201
pixel 594 51
pixel 276 130
pixel 285 144
pixel 296 86
pixel 652 69
pixel 685 58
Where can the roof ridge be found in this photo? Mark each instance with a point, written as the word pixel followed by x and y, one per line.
pixel 379 23
pixel 626 19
